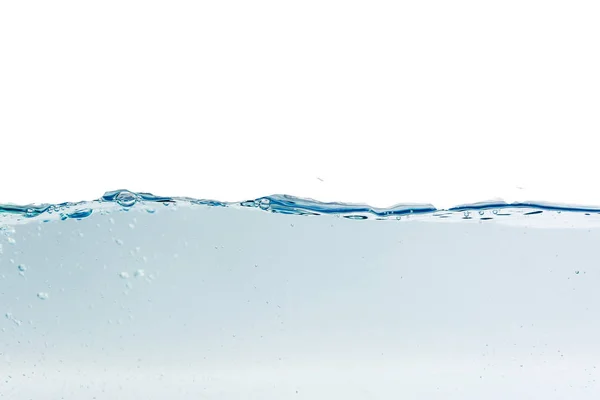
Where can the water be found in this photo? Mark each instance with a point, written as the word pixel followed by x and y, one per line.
pixel 137 296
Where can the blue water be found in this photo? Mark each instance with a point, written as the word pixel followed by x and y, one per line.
pixel 139 296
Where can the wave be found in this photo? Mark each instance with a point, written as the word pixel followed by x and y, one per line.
pixel 285 204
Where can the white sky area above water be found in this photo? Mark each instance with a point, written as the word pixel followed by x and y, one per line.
pixel 382 102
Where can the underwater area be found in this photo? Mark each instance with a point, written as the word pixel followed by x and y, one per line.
pixel 135 296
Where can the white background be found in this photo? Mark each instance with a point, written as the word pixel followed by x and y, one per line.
pixel 378 102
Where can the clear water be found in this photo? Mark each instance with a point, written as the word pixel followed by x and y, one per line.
pixel 135 296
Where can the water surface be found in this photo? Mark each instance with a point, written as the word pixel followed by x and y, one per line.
pixel 138 296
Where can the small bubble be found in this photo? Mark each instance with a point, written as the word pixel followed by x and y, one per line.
pixel 126 199
pixel 495 211
pixel 11 240
pixel 467 214
pixel 139 273
pixel 119 242
pixel 42 295
pixel 576 272
pixel 132 226
pixel 128 285
pixel 10 317
pixel 124 275
pixel 111 220
pixel 22 267
pixel 481 212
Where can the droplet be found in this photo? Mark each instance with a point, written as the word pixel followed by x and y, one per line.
pixel 119 242
pixel 42 295
pixel 124 275
pixel 139 273
pixel 22 268
pixel 126 199
pixel 576 272
pixel 11 240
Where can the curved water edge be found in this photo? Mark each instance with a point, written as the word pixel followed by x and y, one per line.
pixel 285 204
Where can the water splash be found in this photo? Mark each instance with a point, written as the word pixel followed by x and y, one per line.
pixel 285 204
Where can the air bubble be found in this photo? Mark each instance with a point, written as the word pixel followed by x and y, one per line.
pixel 22 268
pixel 264 204
pixel 119 242
pixel 139 273
pixel 124 275
pixel 126 199
pixel 11 240
pixel 42 295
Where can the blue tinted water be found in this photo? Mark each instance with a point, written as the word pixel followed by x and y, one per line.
pixel 138 296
